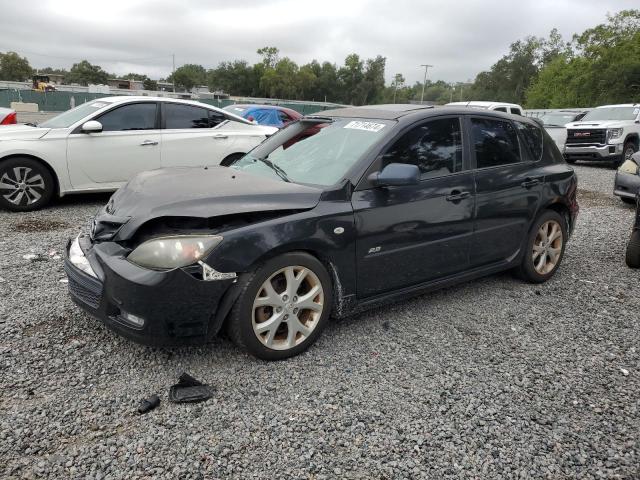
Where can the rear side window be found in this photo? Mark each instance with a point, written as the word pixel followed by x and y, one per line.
pixel 435 147
pixel 532 137
pixel 516 111
pixel 216 118
pixel 501 109
pixel 495 142
pixel 185 116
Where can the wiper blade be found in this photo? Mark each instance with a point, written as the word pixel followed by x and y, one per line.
pixel 279 171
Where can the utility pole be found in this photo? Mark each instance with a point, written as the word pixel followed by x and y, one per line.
pixel 173 76
pixel 424 82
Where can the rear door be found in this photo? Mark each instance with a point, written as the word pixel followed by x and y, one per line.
pixel 129 143
pixel 189 136
pixel 413 234
pixel 508 185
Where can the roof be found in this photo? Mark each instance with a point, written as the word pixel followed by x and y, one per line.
pixel 381 112
pixel 620 105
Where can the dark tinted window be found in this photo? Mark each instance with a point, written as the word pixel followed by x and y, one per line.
pixel 532 137
pixel 138 116
pixel 435 147
pixel 284 118
pixel 516 111
pixel 501 109
pixel 215 118
pixel 495 142
pixel 185 116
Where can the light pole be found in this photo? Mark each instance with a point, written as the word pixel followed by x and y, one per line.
pixel 424 82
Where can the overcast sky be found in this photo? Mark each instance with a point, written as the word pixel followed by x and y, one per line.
pixel 459 37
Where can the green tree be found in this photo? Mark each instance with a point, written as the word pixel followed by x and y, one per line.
pixel 351 76
pixel 149 84
pixel 85 73
pixel 269 56
pixel 188 76
pixel 15 68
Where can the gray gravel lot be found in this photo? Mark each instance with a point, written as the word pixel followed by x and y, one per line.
pixel 492 379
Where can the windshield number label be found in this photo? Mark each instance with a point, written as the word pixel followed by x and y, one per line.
pixel 367 126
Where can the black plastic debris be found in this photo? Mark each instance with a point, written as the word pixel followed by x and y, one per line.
pixel 189 390
pixel 148 404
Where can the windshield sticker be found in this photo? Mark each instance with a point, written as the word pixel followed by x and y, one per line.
pixel 368 126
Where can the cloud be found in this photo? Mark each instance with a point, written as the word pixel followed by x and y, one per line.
pixel 459 38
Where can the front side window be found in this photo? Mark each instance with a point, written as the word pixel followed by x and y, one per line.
pixel 435 147
pixel 495 142
pixel 185 116
pixel 137 116
pixel 284 118
pixel 532 137
pixel 216 118
pixel 516 111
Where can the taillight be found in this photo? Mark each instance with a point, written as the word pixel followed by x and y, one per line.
pixel 10 119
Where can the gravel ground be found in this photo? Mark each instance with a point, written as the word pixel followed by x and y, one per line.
pixel 492 379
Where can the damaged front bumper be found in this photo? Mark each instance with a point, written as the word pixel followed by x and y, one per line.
pixel 175 307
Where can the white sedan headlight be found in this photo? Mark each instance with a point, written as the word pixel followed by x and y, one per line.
pixel 614 133
pixel 77 258
pixel 629 166
pixel 165 253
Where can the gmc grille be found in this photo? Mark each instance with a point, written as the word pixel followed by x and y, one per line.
pixel 587 136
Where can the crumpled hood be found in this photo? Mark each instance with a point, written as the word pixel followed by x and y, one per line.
pixel 201 193
pixel 598 124
pixel 22 132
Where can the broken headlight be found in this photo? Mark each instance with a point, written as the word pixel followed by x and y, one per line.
pixel 629 166
pixel 165 253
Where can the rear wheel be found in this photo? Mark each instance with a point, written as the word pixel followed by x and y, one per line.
pixel 632 257
pixel 545 248
pixel 25 184
pixel 282 308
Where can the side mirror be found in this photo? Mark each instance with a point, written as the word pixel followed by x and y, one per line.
pixel 396 175
pixel 92 126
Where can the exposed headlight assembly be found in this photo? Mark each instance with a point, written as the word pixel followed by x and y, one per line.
pixel 629 166
pixel 614 133
pixel 166 253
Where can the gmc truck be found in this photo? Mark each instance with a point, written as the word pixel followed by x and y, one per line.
pixel 609 133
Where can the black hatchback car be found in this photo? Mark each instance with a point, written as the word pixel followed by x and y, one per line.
pixel 383 202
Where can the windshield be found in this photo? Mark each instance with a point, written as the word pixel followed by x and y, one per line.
pixel 321 159
pixel 68 118
pixel 612 113
pixel 557 119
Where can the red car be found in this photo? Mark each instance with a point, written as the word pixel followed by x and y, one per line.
pixel 7 116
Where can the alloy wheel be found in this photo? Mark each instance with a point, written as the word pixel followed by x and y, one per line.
pixel 547 247
pixel 628 153
pixel 287 307
pixel 23 184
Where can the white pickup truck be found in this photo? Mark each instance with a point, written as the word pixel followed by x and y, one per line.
pixel 610 133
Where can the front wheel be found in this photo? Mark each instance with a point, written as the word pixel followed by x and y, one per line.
pixel 25 184
pixel 282 308
pixel 629 149
pixel 545 248
pixel 632 257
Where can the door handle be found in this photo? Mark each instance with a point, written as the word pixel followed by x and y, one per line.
pixel 530 182
pixel 147 143
pixel 220 137
pixel 457 195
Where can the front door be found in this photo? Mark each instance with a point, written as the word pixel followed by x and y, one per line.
pixel 508 186
pixel 413 234
pixel 129 143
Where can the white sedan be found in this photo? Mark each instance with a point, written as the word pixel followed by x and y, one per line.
pixel 100 144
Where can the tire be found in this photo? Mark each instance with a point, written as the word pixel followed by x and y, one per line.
pixel 25 184
pixel 630 201
pixel 284 339
pixel 532 268
pixel 632 257
pixel 231 158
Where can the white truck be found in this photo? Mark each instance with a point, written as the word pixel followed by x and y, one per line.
pixel 610 133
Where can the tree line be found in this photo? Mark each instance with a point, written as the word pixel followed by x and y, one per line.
pixel 599 66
